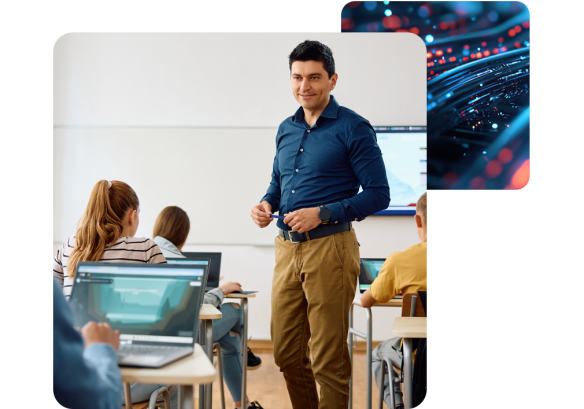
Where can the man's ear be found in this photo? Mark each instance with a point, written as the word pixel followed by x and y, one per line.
pixel 418 219
pixel 334 79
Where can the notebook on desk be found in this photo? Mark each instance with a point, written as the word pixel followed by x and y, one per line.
pixel 155 307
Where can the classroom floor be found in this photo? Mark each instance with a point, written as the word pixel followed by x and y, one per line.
pixel 267 386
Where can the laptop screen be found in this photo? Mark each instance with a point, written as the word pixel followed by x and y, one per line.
pixel 214 269
pixel 370 268
pixel 146 302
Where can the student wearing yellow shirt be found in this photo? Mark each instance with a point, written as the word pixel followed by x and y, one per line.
pixel 403 272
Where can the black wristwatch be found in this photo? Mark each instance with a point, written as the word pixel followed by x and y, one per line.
pixel 324 214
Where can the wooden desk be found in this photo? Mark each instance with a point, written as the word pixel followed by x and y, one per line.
pixel 368 337
pixel 244 306
pixel 408 328
pixel 207 314
pixel 186 372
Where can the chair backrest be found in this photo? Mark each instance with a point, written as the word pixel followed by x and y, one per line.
pixel 407 305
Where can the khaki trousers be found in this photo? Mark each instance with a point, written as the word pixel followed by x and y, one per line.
pixel 312 290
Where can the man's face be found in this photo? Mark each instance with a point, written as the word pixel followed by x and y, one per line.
pixel 311 84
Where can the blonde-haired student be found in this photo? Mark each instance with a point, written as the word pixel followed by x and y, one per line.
pixel 106 232
pixel 403 272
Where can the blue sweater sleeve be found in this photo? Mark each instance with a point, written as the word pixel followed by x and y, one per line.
pixel 88 379
pixel 367 163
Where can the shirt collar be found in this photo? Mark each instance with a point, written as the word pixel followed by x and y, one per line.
pixel 330 111
pixel 165 244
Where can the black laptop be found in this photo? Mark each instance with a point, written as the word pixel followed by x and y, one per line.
pixel 214 269
pixel 155 307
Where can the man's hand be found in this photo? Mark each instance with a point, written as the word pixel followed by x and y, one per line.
pixel 261 214
pixel 94 333
pixel 367 300
pixel 303 220
pixel 230 287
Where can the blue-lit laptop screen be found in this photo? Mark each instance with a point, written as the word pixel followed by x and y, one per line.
pixel 160 301
pixel 369 271
pixel 186 261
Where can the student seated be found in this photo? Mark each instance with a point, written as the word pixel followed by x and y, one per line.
pixel 106 233
pixel 171 229
pixel 85 368
pixel 403 272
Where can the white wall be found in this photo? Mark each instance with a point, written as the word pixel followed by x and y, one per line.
pixel 190 120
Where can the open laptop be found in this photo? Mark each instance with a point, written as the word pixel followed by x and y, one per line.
pixel 155 307
pixel 214 269
pixel 370 268
pixel 194 261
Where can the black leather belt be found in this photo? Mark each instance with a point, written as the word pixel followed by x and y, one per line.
pixel 322 230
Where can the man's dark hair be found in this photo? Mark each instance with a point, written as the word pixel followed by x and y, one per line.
pixel 314 51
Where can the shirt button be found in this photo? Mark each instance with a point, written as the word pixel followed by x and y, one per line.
pixel 308 130
pixel 293 191
pixel 301 150
pixel 296 170
pixel 356 219
pixel 336 222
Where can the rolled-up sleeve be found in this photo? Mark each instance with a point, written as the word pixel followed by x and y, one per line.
pixel 82 379
pixel 367 164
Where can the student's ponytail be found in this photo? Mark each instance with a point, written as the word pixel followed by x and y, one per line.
pixel 101 224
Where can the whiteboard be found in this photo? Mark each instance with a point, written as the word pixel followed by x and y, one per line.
pixel 190 119
pixel 229 80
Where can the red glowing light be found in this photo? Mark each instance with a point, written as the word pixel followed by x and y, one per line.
pixel 496 51
pixel 429 78
pixel 484 44
pixel 501 39
pixel 511 33
pixel 479 55
pixel 442 61
pixel 391 22
pixel 439 53
pixel 516 44
pixel 472 56
pixel 478 183
pixel 521 177
pixel 347 23
pixel 487 53
pixel 428 55
pixel 449 179
pixel 517 29
pixel 526 24
pixel 493 169
pixel 452 59
pixel 430 64
pixel 466 46
pixel 449 50
pixel 464 58
pixel 415 30
pixel 431 72
pixel 503 49
pixel 505 156
pixel 354 4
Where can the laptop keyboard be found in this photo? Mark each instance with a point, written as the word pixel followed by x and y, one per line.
pixel 125 350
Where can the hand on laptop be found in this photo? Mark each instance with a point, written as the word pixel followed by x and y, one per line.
pixel 94 333
pixel 230 287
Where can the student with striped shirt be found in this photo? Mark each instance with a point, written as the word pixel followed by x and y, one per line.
pixel 106 233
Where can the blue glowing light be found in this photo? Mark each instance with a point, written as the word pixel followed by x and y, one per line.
pixel 424 12
pixel 386 2
pixel 429 96
pixel 370 5
pixel 526 43
pixel 429 38
pixel 388 12
pixel 449 95
pixel 495 126
pixel 484 152
pixel 493 16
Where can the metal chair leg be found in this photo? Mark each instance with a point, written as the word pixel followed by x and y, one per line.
pixel 165 395
pixel 391 382
pixel 382 385
pixel 220 370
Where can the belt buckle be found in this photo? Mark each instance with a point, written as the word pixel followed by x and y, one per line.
pixel 292 240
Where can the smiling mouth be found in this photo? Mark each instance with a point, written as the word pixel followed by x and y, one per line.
pixel 306 95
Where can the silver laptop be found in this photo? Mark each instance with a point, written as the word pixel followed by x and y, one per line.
pixel 155 307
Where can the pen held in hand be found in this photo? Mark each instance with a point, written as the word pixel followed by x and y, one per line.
pixel 275 216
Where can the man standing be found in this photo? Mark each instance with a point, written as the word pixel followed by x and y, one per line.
pixel 324 153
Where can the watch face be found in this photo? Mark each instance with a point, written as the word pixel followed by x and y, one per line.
pixel 324 214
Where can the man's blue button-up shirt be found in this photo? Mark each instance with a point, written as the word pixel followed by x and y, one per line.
pixel 326 164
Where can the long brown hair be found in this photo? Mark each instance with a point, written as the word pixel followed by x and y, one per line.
pixel 101 224
pixel 173 224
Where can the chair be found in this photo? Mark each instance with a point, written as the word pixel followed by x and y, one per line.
pixel 152 404
pixel 411 307
pixel 217 352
